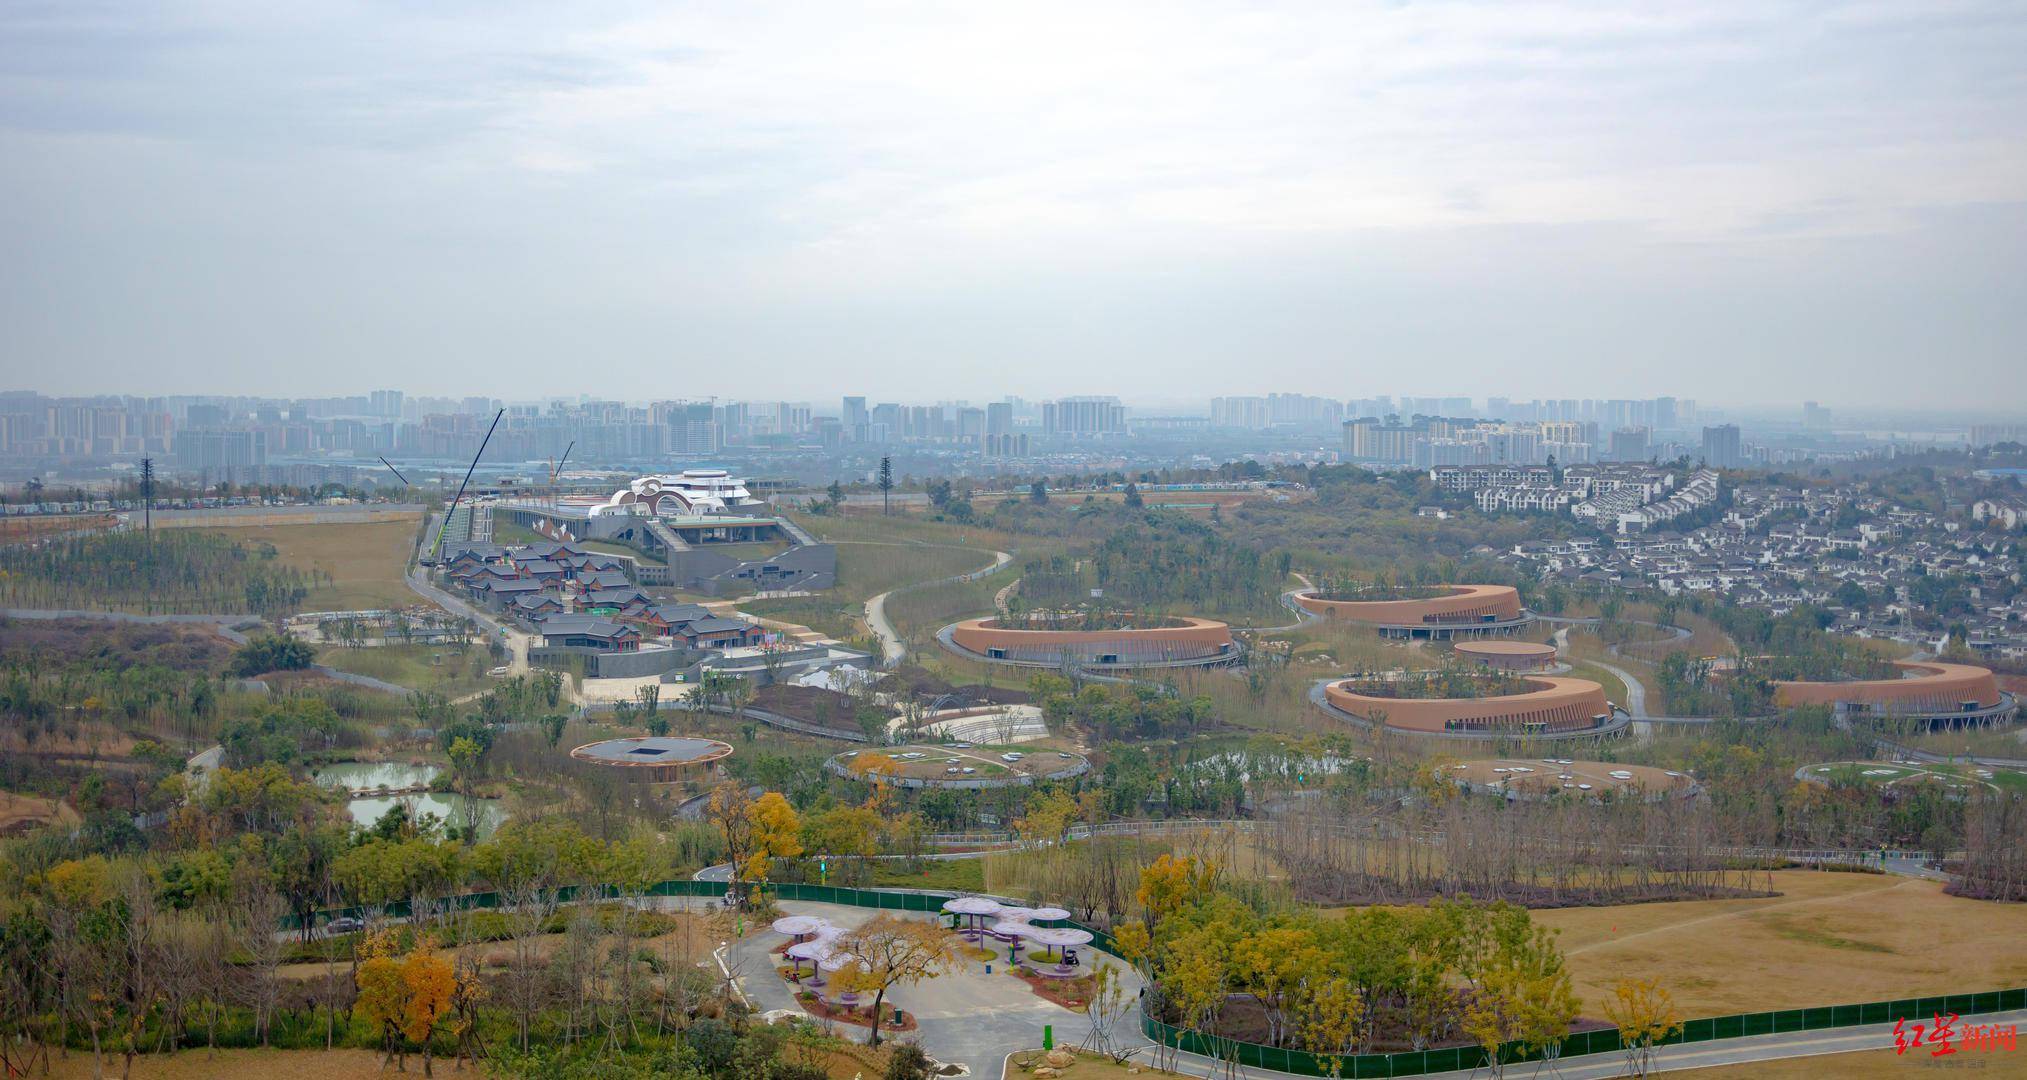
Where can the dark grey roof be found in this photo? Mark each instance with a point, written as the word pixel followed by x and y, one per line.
pixel 714 625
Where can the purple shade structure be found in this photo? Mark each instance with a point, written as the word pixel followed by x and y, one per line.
pixel 973 908
pixel 1015 913
pixel 1048 914
pixel 1057 940
pixel 799 926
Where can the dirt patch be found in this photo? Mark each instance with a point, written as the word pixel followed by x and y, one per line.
pixel 21 813
pixel 809 704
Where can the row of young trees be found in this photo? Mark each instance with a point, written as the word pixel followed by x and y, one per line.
pixel 169 570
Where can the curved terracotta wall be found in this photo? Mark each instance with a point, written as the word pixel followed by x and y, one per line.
pixel 1195 638
pixel 1937 687
pixel 1465 604
pixel 1507 655
pixel 1559 705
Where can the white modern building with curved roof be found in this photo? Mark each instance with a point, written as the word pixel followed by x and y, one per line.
pixel 684 494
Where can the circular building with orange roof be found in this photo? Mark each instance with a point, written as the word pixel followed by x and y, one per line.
pixel 1932 690
pixel 1438 612
pixel 1176 641
pixel 1539 705
pixel 1507 655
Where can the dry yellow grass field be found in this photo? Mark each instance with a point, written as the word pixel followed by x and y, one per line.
pixel 248 1064
pixel 1828 939
pixel 365 561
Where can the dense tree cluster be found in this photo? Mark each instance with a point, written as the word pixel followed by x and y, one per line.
pixel 171 570
pixel 1371 980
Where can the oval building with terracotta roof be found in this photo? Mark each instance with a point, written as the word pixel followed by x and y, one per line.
pixel 1551 706
pixel 1188 642
pixel 1455 611
pixel 1933 690
pixel 1507 655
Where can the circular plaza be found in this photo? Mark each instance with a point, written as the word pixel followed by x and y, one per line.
pixel 957 766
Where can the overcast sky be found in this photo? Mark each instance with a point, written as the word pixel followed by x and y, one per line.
pixel 1735 202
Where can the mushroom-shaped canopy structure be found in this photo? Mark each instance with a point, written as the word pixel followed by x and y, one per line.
pixel 1047 914
pixel 1012 928
pixel 810 950
pixel 972 905
pixel 1059 938
pixel 798 925
pixel 837 960
pixel 1015 912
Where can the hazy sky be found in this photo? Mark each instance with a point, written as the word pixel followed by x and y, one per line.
pixel 1750 201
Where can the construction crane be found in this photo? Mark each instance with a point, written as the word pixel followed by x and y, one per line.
pixel 452 508
pixel 556 467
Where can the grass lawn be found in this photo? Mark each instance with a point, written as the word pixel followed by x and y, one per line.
pixel 956 875
pixel 366 562
pixel 440 669
pixel 1828 939
pixel 1615 687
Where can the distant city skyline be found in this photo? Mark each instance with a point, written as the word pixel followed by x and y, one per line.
pixel 1777 201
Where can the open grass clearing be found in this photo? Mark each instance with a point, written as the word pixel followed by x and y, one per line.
pixel 439 669
pixel 1828 939
pixel 366 563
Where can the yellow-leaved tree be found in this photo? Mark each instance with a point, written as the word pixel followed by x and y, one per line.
pixel 1645 1015
pixel 776 833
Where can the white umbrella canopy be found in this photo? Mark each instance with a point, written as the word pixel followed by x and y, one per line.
pixel 798 925
pixel 810 950
pixel 1047 914
pixel 1012 928
pixel 972 905
pixel 1015 913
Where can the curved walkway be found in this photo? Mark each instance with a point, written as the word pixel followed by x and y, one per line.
pixel 892 649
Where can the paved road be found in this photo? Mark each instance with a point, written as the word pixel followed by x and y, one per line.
pixel 1636 692
pixel 892 649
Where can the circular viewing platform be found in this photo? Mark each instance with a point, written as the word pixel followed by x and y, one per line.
pixel 657 759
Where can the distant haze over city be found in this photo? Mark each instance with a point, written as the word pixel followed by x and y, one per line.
pixel 1771 202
